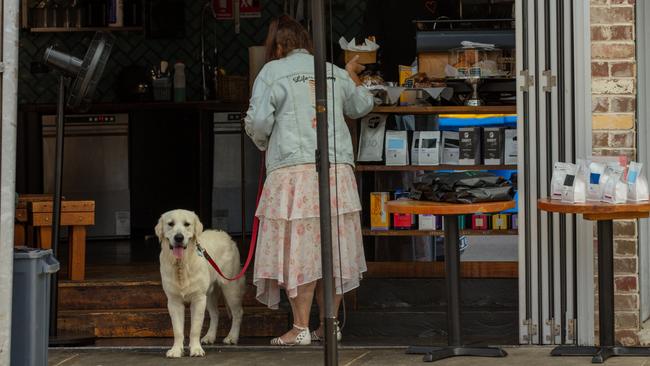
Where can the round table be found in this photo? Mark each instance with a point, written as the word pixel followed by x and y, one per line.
pixel 450 212
pixel 603 214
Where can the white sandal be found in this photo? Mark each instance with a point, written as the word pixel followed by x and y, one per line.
pixel 302 339
pixel 316 338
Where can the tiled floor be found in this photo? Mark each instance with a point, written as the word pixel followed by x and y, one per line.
pixel 529 356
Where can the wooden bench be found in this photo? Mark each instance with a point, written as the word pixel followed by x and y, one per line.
pixel 74 214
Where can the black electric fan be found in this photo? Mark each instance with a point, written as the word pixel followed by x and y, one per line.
pixel 79 77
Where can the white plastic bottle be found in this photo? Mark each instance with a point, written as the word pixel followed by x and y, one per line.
pixel 179 82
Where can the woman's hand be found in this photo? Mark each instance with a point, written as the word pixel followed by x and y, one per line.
pixel 353 67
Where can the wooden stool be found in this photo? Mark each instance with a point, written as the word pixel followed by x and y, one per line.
pixel 74 214
pixel 23 233
pixel 20 226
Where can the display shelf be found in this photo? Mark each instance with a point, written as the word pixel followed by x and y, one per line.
pixel 369 232
pixel 85 29
pixel 499 109
pixel 410 168
pixel 504 269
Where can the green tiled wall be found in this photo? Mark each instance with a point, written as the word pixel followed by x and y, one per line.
pixel 132 48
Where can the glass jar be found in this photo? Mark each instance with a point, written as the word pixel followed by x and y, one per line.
pixel 475 62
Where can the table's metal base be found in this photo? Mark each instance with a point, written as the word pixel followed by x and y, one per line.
pixel 600 354
pixel 432 354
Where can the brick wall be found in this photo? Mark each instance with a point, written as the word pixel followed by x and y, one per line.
pixel 613 71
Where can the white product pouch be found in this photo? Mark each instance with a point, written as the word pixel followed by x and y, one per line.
pixel 397 151
pixel 637 184
pixel 371 139
pixel 429 148
pixel 560 171
pixel 574 189
pixel 614 189
pixel 594 187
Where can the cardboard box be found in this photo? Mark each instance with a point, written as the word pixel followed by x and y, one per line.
pixel 500 222
pixel 426 222
pixel 462 222
pixel 480 222
pixel 510 147
pixel 433 64
pixel 415 148
pixel 407 97
pixel 493 145
pixel 470 146
pixel 450 147
pixel 426 148
pixel 365 57
pixel 403 221
pixel 379 217
pixel 397 152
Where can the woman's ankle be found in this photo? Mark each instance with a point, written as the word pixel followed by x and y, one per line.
pixel 300 327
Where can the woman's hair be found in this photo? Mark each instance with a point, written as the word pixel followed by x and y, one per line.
pixel 286 34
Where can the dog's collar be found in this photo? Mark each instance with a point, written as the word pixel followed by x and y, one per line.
pixel 199 249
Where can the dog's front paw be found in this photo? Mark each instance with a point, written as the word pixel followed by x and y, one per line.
pixel 197 351
pixel 208 339
pixel 230 340
pixel 175 352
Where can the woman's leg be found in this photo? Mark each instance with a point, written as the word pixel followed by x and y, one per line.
pixel 320 300
pixel 300 307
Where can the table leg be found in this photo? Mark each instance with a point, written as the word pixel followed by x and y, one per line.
pixel 452 278
pixel 19 235
pixel 607 347
pixel 606 285
pixel 77 256
pixel 45 237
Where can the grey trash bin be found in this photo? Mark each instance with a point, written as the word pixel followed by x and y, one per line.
pixel 31 305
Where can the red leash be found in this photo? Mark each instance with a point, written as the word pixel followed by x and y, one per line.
pixel 256 226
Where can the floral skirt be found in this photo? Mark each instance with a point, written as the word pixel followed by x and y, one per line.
pixel 288 251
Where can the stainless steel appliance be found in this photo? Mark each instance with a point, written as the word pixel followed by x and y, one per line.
pixel 96 167
pixel 234 153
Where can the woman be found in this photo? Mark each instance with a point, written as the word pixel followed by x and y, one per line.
pixel 281 120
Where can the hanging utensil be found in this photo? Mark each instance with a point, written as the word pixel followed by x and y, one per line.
pixel 300 12
pixel 235 6
pixel 292 8
pixel 164 65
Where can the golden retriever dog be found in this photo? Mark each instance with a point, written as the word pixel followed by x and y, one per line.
pixel 188 278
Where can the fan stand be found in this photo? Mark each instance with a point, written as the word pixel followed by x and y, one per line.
pixel 54 339
pixel 84 75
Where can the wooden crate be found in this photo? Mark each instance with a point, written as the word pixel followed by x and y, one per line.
pixel 232 88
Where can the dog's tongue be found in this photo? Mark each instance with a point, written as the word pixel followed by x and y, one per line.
pixel 178 252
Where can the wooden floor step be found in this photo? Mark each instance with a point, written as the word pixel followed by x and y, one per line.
pixel 98 295
pixel 123 323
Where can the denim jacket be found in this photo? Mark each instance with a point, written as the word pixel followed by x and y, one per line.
pixel 281 118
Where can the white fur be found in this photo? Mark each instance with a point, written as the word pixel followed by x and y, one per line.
pixel 191 280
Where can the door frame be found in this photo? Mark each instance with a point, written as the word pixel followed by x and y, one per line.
pixel 583 143
pixel 643 135
pixel 539 276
